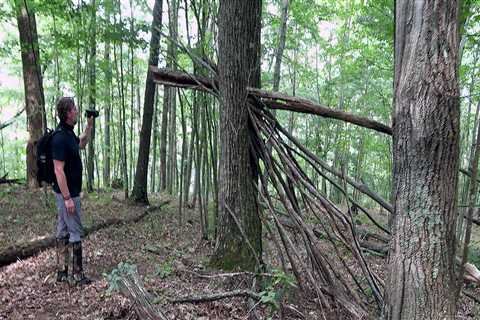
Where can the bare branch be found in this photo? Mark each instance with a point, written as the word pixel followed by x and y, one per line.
pixel 218 296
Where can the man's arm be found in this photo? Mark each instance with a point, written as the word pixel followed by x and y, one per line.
pixel 62 184
pixel 85 136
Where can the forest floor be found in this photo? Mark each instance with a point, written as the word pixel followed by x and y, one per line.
pixel 171 259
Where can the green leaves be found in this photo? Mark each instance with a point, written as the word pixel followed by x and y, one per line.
pixel 276 287
pixel 113 278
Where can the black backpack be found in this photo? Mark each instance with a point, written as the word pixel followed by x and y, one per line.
pixel 45 172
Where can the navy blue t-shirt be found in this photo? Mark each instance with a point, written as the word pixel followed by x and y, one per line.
pixel 65 148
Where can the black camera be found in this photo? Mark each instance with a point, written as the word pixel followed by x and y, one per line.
pixel 91 113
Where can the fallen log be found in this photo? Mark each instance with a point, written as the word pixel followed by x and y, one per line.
pixel 273 100
pixel 131 287
pixel 378 248
pixel 366 234
pixel 9 181
pixel 25 250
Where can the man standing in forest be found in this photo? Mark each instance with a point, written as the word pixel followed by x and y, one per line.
pixel 68 172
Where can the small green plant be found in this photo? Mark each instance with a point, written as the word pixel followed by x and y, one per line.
pixel 113 278
pixel 19 220
pixel 276 288
pixel 165 269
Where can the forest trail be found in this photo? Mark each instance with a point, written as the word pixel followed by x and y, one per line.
pixel 169 259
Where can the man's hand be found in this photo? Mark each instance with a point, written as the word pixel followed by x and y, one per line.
pixel 70 205
pixel 85 136
pixel 90 121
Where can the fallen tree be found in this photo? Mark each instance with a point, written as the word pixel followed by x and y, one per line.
pixel 273 100
pixel 24 250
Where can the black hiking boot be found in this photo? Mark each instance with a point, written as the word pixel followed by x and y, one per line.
pixel 63 252
pixel 62 276
pixel 78 277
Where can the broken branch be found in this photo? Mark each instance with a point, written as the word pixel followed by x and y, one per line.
pixel 273 100
pixel 218 296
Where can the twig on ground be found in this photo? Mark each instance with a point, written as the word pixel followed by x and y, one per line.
pixel 217 296
pixel 226 275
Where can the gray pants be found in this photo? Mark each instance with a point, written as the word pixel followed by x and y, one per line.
pixel 69 224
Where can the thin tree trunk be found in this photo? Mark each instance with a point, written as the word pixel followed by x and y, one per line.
pixel 56 73
pixel 92 93
pixel 281 46
pixel 132 96
pixel 198 185
pixel 153 170
pixel 139 192
pixel 107 116
pixel 182 165
pixel 466 185
pixel 205 168
pixel 172 56
pixel 163 138
pixel 123 141
pixel 212 138
pixel 191 148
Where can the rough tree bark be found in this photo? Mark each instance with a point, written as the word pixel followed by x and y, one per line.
pixel 33 87
pixel 239 44
pixel 139 192
pixel 421 282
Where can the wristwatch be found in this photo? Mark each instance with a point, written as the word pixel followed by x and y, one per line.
pixel 67 197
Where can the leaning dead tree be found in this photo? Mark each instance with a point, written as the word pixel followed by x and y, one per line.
pixel 320 244
pixel 272 100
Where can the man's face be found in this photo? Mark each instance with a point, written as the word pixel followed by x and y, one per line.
pixel 72 116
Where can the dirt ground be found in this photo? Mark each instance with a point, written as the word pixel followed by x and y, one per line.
pixel 172 261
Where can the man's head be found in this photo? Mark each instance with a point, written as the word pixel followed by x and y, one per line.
pixel 67 111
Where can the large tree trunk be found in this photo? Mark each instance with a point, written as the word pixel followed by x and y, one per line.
pixel 139 192
pixel 33 87
pixel 421 282
pixel 239 44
